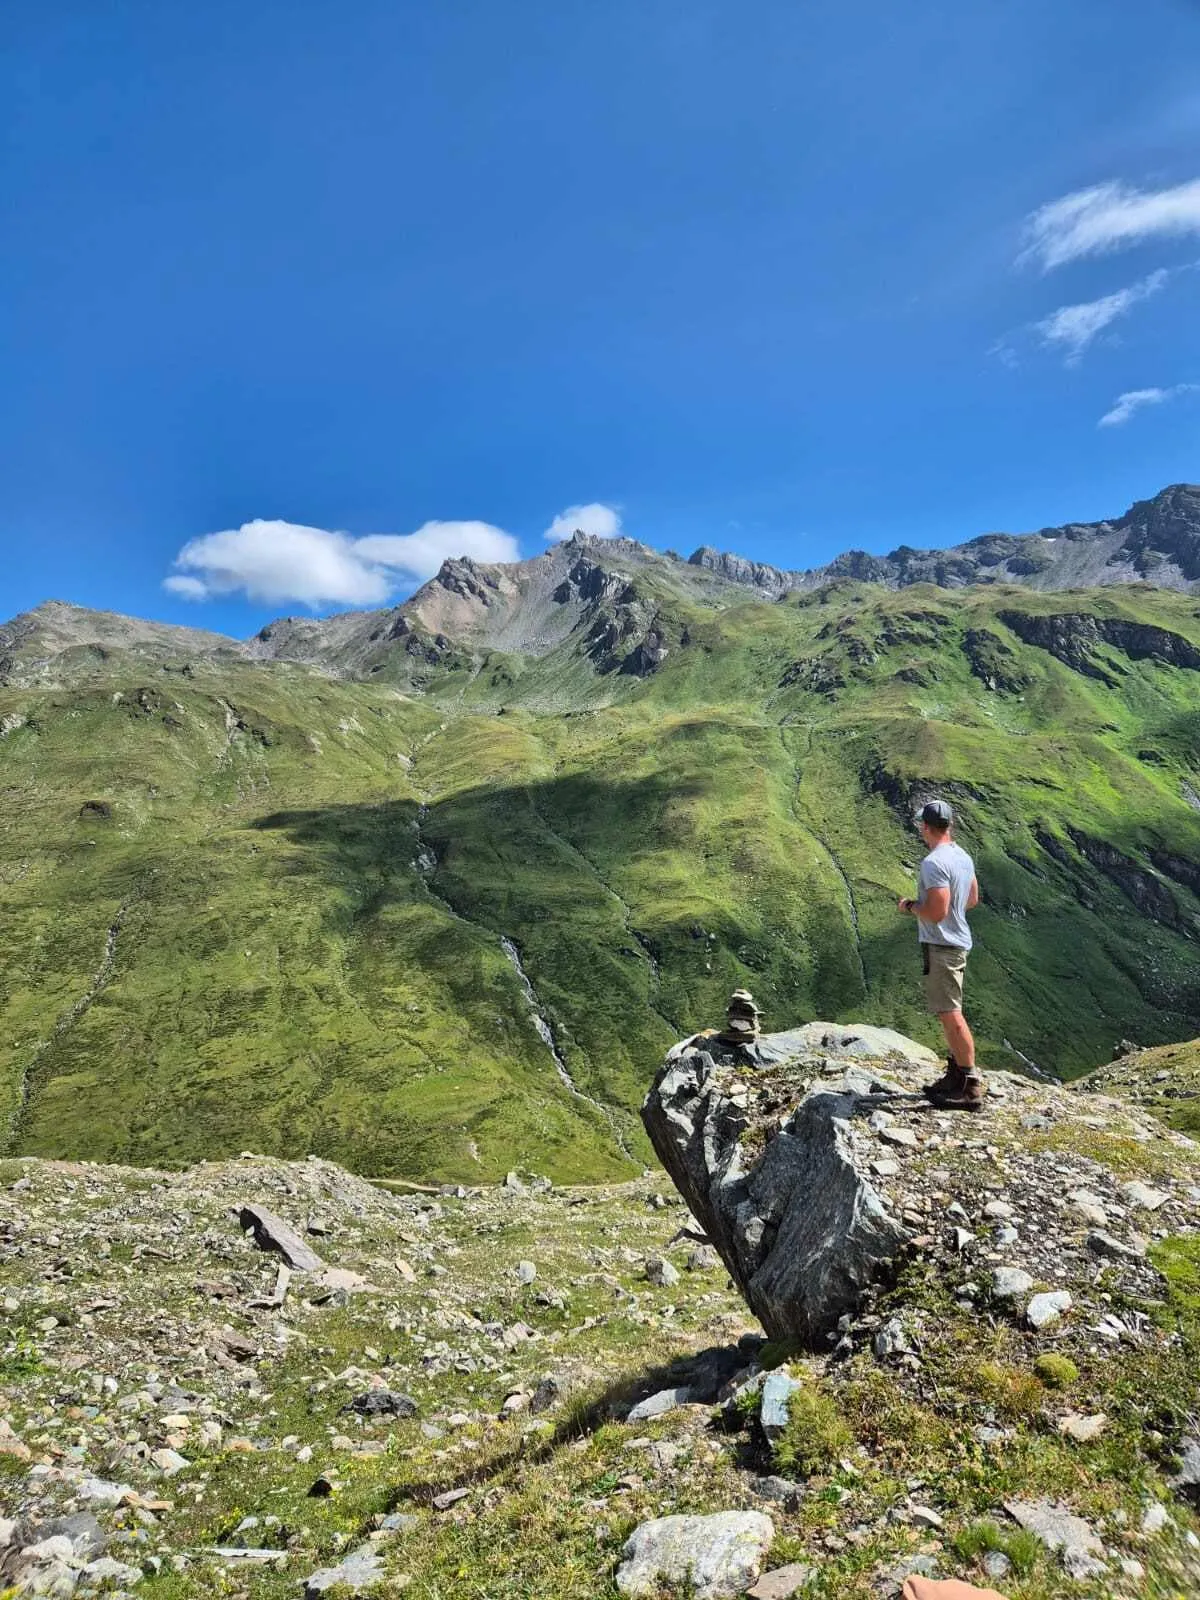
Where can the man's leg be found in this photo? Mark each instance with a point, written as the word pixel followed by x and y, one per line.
pixel 958 1038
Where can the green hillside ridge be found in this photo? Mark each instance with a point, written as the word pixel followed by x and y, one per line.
pixel 250 903
pixel 1164 1079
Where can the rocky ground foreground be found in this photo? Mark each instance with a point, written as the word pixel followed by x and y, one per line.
pixel 261 1378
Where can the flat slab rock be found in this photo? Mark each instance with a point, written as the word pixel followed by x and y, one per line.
pixel 360 1570
pixel 273 1233
pixel 1058 1528
pixel 782 1583
pixel 715 1558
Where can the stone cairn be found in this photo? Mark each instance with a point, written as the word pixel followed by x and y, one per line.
pixel 743 1019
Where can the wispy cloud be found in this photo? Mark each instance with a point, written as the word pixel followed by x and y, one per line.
pixel 601 521
pixel 1108 216
pixel 1072 328
pixel 277 562
pixel 1134 400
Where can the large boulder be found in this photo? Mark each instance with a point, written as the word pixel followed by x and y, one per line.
pixel 772 1148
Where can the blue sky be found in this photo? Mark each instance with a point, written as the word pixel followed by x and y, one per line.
pixel 779 278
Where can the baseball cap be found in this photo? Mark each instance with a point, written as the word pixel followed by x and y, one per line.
pixel 937 813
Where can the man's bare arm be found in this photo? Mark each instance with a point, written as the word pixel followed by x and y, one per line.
pixel 973 894
pixel 932 906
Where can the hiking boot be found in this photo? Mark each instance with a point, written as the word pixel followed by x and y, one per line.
pixel 969 1098
pixel 950 1082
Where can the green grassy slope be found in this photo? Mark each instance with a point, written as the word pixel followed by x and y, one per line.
pixel 246 905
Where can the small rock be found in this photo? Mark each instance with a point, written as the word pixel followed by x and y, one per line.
pixel 890 1340
pixel 1104 1244
pixel 661 1273
pixel 361 1569
pixel 716 1557
pixel 1058 1529
pixel 383 1403
pixel 782 1583
pixel 98 1491
pixel 1140 1194
pixel 443 1502
pixel 999 1211
pixel 397 1522
pixel 1010 1283
pixel 926 1517
pixel 105 1573
pixel 904 1137
pixel 1045 1309
pixel 996 1564
pixel 777 1390
pixel 1090 1207
pixel 544 1396
pixel 1155 1518
pixel 780 1491
pixel 885 1167
pixel 1187 1478
pixel 657 1405
pixel 169 1462
pixel 1082 1429
pixel 526 1272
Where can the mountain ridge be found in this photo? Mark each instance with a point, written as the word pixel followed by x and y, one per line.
pixel 531 606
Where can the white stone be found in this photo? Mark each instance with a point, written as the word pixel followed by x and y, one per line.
pixel 1045 1309
pixel 1155 1518
pixel 716 1557
pixel 1010 1283
pixel 1082 1428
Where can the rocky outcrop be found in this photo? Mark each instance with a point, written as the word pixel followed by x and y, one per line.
pixel 1073 638
pixel 993 663
pixel 1147 892
pixel 765 1147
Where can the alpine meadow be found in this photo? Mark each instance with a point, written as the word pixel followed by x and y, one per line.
pixel 428 891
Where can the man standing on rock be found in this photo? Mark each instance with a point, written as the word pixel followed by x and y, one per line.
pixel 947 889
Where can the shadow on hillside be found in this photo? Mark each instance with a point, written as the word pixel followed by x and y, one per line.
pixel 499 852
pixel 547 863
pixel 703 1374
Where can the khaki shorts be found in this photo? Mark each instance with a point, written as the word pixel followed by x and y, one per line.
pixel 943 966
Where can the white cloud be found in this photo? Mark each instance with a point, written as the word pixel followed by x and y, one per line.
pixel 1108 216
pixel 1134 399
pixel 186 588
pixel 1074 327
pixel 601 521
pixel 423 552
pixel 278 562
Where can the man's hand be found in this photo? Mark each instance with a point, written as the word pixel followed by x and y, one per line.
pixel 906 906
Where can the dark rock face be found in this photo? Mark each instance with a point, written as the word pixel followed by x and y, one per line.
pixel 460 575
pixel 1168 526
pixel 1149 895
pixel 1070 638
pixel 1074 636
pixel 754 574
pixel 992 662
pixel 790 1206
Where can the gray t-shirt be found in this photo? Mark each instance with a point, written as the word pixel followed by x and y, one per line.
pixel 947 866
